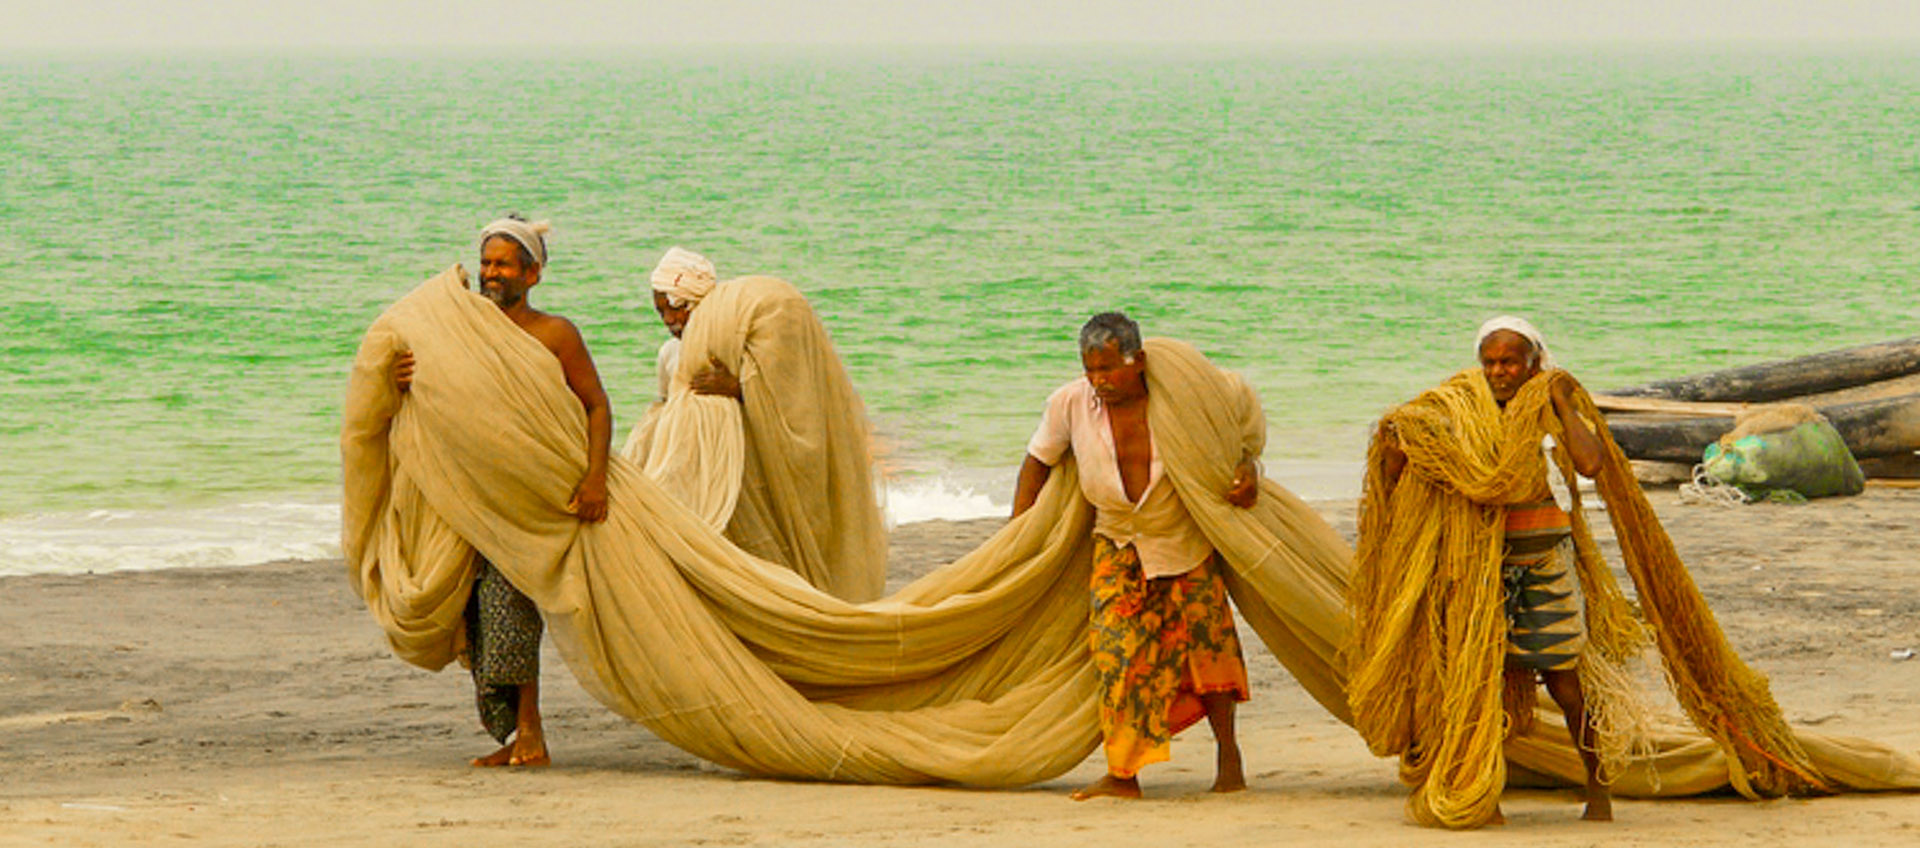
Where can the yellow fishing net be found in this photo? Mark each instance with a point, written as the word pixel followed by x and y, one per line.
pixel 1428 658
pixel 977 673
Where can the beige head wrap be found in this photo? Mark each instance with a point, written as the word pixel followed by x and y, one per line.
pixel 683 276
pixel 531 235
pixel 1516 325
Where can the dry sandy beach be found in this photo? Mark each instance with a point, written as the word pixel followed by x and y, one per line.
pixel 260 706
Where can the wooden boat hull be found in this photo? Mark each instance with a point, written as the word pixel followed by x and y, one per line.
pixel 1771 381
pixel 1874 428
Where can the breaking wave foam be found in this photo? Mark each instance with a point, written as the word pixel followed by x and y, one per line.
pixel 104 540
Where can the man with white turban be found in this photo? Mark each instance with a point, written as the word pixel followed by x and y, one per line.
pixel 762 435
pixel 1161 631
pixel 503 626
pixel 1545 630
pixel 681 280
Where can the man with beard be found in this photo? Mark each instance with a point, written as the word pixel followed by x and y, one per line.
pixel 504 625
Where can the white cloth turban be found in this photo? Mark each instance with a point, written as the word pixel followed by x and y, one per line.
pixel 1516 325
pixel 683 276
pixel 531 235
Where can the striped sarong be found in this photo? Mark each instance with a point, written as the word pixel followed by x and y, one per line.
pixel 1545 631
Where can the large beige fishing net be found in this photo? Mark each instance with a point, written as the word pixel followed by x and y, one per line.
pixel 785 470
pixel 978 673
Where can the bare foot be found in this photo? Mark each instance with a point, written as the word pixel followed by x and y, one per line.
pixel 1110 786
pixel 1599 805
pixel 529 751
pixel 1227 776
pixel 498 758
pixel 530 754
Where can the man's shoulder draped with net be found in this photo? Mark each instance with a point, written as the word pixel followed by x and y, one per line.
pixel 1163 638
pixel 787 468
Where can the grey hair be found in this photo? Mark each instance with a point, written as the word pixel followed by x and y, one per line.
pixel 1110 328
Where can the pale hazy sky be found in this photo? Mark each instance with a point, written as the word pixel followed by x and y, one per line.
pixel 320 23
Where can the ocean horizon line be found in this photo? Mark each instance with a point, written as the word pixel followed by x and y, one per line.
pixel 945 49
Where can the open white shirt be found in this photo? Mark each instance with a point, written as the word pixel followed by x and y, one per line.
pixel 1158 526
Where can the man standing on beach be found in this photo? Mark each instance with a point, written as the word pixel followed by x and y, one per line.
pixel 768 438
pixel 503 625
pixel 1162 632
pixel 679 282
pixel 1532 551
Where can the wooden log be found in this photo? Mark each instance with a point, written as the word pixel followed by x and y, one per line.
pixel 1662 406
pixel 1887 427
pixel 1881 390
pixel 1650 472
pixel 1905 466
pixel 1770 381
pixel 1878 427
pixel 1908 385
pixel 1667 439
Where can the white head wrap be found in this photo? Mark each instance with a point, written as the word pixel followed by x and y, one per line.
pixel 683 276
pixel 1515 325
pixel 531 235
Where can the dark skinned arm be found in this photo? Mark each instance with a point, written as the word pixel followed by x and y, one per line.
pixel 1394 460
pixel 589 500
pixel 1582 444
pixel 1033 478
pixel 715 379
pixel 1245 490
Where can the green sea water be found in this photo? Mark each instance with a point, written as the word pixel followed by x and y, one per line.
pixel 194 243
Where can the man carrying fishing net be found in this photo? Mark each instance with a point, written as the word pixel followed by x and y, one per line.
pixel 1163 639
pixel 1471 583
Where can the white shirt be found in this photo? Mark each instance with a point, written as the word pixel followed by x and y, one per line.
pixel 1158 526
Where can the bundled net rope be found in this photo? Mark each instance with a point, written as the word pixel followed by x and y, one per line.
pixel 1429 656
pixel 1707 489
pixel 978 673
pixel 779 471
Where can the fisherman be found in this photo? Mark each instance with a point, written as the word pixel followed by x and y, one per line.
pixel 504 625
pixel 767 441
pixel 679 282
pixel 1162 632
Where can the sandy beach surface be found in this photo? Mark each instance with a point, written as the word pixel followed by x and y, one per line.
pixel 260 706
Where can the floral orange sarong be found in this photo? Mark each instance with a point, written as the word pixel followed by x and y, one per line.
pixel 1158 646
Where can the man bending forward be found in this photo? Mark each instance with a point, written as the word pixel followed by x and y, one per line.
pixel 1162 633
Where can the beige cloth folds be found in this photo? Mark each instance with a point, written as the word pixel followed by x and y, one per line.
pixel 786 470
pixel 977 673
pixel 697 452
